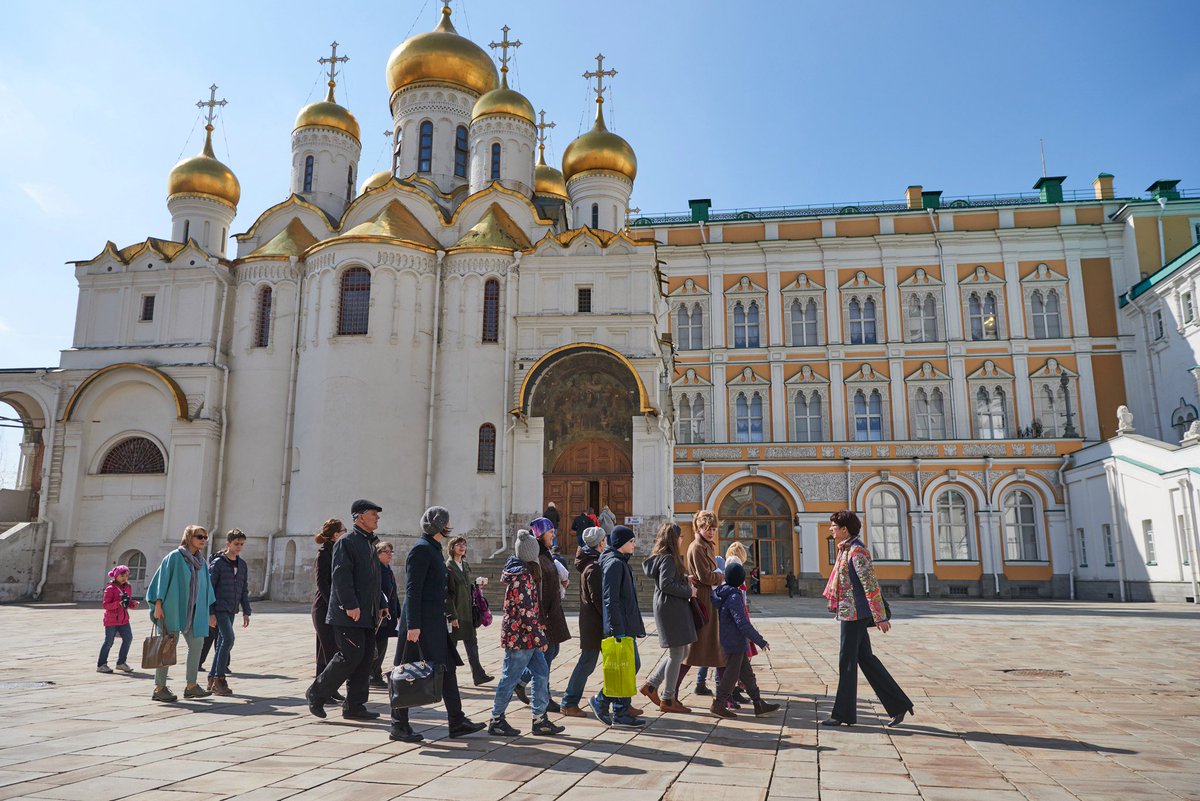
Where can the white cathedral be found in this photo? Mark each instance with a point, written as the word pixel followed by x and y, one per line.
pixel 459 326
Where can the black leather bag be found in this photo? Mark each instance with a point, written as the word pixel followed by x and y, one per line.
pixel 415 683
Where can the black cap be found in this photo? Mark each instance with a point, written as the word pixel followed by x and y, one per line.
pixel 360 506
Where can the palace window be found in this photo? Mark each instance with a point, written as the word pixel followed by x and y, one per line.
pixel 495 162
pixel 922 318
pixel 807 416
pixel 981 312
pixel 1020 528
pixel 486 462
pixel 884 530
pixel 1110 553
pixel 135 560
pixel 690 327
pixel 1156 320
pixel 1047 319
pixel 355 303
pixel 804 323
pixel 691 428
pixel 862 321
pixel 990 416
pixel 491 310
pixel 1051 406
pixel 1148 541
pixel 930 412
pixel 868 416
pixel 1082 535
pixel 953 533
pixel 460 152
pixel 745 325
pixel 308 174
pixel 425 147
pixel 748 417
pixel 133 456
pixel 1188 307
pixel 262 325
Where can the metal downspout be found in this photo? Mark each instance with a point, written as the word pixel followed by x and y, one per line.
pixel 993 546
pixel 1118 538
pixel 1062 482
pixel 437 322
pixel 224 368
pixel 502 442
pixel 921 510
pixel 1193 542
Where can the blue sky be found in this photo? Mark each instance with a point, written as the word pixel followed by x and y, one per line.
pixel 751 104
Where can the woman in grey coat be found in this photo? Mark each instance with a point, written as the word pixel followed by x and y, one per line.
pixel 672 615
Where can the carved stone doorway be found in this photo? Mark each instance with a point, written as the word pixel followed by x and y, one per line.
pixel 592 473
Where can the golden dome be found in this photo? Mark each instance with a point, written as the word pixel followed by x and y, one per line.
pixel 204 175
pixel 441 56
pixel 375 181
pixel 546 179
pixel 503 101
pixel 328 114
pixel 599 149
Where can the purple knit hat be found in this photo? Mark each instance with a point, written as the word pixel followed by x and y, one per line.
pixel 541 526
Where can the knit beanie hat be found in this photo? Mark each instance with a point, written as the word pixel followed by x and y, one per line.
pixel 436 520
pixel 735 574
pixel 592 536
pixel 541 526
pixel 526 546
pixel 619 536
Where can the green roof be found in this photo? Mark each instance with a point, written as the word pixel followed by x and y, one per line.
pixel 1143 286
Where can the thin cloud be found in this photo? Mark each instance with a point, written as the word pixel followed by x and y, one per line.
pixel 49 198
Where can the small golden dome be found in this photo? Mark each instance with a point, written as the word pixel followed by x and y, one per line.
pixel 204 175
pixel 328 114
pixel 375 181
pixel 503 101
pixel 441 56
pixel 599 149
pixel 546 179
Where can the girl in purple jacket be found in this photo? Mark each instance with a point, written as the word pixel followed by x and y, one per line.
pixel 118 600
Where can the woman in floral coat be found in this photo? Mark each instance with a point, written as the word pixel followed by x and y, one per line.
pixel 854 596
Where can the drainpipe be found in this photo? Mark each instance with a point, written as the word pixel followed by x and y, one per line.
pixel 703 490
pixel 1162 243
pixel 849 500
pixel 514 272
pixel 44 494
pixel 921 509
pixel 993 546
pixel 1193 542
pixel 224 368
pixel 437 322
pixel 1150 366
pixel 285 486
pixel 1118 543
pixel 1062 482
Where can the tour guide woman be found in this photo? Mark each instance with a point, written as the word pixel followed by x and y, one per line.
pixel 180 594
pixel 854 596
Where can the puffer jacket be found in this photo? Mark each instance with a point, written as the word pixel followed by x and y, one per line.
pixel 231 584
pixel 591 599
pixel 521 629
pixel 622 617
pixel 736 628
pixel 115 612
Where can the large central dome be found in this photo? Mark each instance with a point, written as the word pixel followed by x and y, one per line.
pixel 441 56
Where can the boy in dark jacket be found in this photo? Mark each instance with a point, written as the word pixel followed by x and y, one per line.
pixel 736 632
pixel 231 586
pixel 622 618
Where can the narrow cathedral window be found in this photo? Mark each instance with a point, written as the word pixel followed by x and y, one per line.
pixel 487 448
pixel 355 302
pixel 425 147
pixel 133 456
pixel 595 215
pixel 308 174
pixel 262 326
pixel 187 225
pixel 460 152
pixel 1020 530
pixel 147 309
pixel 496 161
pixel 491 310
pixel 349 184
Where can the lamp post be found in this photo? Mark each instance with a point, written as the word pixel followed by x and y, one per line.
pixel 1069 428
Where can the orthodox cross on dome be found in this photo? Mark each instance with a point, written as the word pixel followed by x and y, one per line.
pixel 542 127
pixel 504 44
pixel 599 74
pixel 212 104
pixel 333 62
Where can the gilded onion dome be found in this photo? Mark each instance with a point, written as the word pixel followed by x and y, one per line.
pixel 441 56
pixel 328 114
pixel 599 149
pixel 503 101
pixel 546 179
pixel 375 181
pixel 204 175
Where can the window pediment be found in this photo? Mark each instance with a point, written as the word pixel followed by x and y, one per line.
pixel 687 290
pixel 920 280
pixel 927 372
pixel 862 281
pixel 748 378
pixel 1053 369
pixel 803 285
pixel 745 287
pixel 691 378
pixel 867 374
pixel 1042 274
pixel 807 377
pixel 981 276
pixel 989 372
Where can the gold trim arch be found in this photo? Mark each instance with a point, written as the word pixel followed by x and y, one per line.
pixel 550 357
pixel 181 409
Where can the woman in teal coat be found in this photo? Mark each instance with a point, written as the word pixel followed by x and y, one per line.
pixel 182 594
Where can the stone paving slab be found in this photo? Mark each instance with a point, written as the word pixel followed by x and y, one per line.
pixel 1111 710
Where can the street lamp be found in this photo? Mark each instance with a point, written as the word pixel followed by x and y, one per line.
pixel 1069 428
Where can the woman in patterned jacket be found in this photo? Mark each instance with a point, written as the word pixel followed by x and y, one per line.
pixel 854 596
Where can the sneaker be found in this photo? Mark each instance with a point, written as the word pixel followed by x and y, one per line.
pixel 544 727
pixel 552 707
pixel 404 734
pixel 600 710
pixel 124 668
pixel 465 727
pixel 498 727
pixel 103 669
pixel 628 721
pixel 165 695
pixel 573 712
pixel 702 689
pixel 522 696
pixel 196 692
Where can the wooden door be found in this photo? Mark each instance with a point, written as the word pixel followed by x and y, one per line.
pixel 586 465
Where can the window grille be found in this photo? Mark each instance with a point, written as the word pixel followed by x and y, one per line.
pixel 487 449
pixel 583 300
pixel 491 310
pixel 308 174
pixel 496 161
pixel 595 215
pixel 147 308
pixel 460 152
pixel 262 325
pixel 355 305
pixel 425 147
pixel 133 456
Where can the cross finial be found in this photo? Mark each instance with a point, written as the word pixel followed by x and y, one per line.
pixel 212 104
pixel 504 44
pixel 333 62
pixel 599 74
pixel 542 126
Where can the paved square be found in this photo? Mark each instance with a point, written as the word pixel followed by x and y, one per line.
pixel 1038 701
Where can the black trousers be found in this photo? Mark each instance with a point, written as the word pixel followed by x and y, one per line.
pixel 472 648
pixel 737 669
pixel 450 695
pixel 208 643
pixel 381 649
pixel 856 653
pixel 326 645
pixel 351 664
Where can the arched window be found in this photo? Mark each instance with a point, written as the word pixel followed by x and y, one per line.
pixel 460 152
pixel 355 302
pixel 262 324
pixel 425 147
pixel 930 413
pixel 349 183
pixel 884 530
pixel 683 327
pixel 684 433
pixel 491 310
pixel 1182 418
pixel 760 518
pixel 697 320
pixel 804 323
pixel 748 416
pixel 495 173
pixel 308 174
pixel 1038 305
pixel 133 456
pixel 752 325
pixel 289 561
pixel 135 560
pixel 990 417
pixel 807 417
pixel 1051 407
pixel 922 318
pixel 981 309
pixel 595 215
pixel 862 321
pixel 699 429
pixel 487 449
pixel 739 325
pixel 868 416
pixel 953 532
pixel 1020 530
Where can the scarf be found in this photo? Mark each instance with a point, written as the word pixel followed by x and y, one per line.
pixel 833 587
pixel 196 563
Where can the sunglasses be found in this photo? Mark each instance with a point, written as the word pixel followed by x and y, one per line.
pixel 199 536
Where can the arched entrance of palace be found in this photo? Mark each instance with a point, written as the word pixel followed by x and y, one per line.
pixel 760 517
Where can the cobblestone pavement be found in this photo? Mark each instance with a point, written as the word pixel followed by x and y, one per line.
pixel 1111 710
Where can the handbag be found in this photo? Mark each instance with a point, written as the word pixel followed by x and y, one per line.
pixel 415 683
pixel 619 659
pixel 158 650
pixel 699 613
pixel 480 614
pixel 887 614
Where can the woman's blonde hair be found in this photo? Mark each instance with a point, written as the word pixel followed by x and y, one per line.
pixel 705 517
pixel 456 541
pixel 736 549
pixel 328 529
pixel 188 532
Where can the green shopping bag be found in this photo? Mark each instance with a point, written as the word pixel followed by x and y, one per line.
pixel 620 667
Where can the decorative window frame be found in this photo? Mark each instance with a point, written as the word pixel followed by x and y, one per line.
pixel 804 289
pixel 1050 375
pixel 749 383
pixel 691 296
pixel 336 301
pixel 1039 517
pixel 862 286
pixel 921 285
pixel 929 378
pixel 810 383
pixel 256 329
pixel 746 292
pixel 867 380
pixel 692 386
pixel 970 520
pixel 991 378
pixel 1044 279
pixel 1182 418
pixel 902 509
pixel 983 281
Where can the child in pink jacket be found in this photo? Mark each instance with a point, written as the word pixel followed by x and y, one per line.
pixel 118 600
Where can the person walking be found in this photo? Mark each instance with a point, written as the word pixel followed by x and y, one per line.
pixel 423 624
pixel 460 607
pixel 231 585
pixel 554 619
pixel 607 519
pixel 354 611
pixel 622 618
pixel 855 598
pixel 117 601
pixel 591 619
pixel 331 530
pixel 705 575
pixel 391 606
pixel 523 637
pixel 181 597
pixel 673 594
pixel 551 514
pixel 582 521
pixel 736 633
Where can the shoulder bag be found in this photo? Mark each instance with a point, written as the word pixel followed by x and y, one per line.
pixel 158 650
pixel 415 683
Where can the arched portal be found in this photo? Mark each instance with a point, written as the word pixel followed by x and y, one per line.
pixel 760 517
pixel 22 453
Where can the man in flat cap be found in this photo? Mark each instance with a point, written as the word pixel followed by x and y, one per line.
pixel 423 623
pixel 354 601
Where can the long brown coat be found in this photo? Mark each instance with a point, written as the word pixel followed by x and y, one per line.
pixel 552 614
pixel 591 599
pixel 706 651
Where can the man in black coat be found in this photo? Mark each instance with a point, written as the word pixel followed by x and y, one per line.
pixel 354 600
pixel 423 623
pixel 581 524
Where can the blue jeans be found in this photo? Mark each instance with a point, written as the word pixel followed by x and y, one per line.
pixel 532 662
pixel 110 634
pixel 584 668
pixel 550 653
pixel 620 706
pixel 224 643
